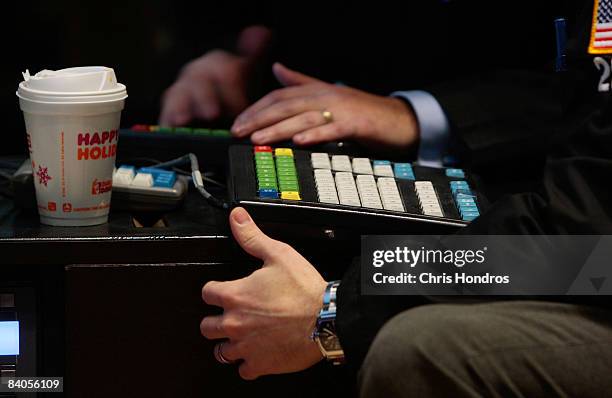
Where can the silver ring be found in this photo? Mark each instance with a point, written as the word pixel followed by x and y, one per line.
pixel 219 356
pixel 327 115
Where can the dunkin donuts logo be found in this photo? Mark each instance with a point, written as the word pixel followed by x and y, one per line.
pixel 97 145
pixel 100 187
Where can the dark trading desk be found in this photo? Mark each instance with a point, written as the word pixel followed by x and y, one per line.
pixel 118 307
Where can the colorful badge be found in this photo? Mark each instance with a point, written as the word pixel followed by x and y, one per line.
pixel 601 28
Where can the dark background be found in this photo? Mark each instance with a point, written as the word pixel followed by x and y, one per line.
pixel 378 47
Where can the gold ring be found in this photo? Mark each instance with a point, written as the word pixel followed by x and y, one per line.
pixel 327 115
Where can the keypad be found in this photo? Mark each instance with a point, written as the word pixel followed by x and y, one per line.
pixel 145 177
pixel 145 128
pixel 365 183
pixel 276 173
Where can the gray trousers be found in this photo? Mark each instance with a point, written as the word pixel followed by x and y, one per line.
pixel 499 349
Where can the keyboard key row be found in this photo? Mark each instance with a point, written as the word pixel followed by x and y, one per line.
pixel 379 168
pixel 428 199
pixel 326 187
pixel 389 194
pixel 465 200
pixel 144 177
pixel 347 190
pixel 368 192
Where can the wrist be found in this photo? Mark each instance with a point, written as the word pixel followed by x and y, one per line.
pixel 324 333
pixel 404 123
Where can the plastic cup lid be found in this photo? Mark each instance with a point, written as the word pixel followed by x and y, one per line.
pixel 72 85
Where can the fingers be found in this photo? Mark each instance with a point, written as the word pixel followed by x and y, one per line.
pixel 241 126
pixel 289 77
pixel 324 133
pixel 288 128
pixel 176 107
pixel 211 327
pixel 217 293
pixel 228 350
pixel 276 112
pixel 250 237
pixel 247 371
pixel 206 100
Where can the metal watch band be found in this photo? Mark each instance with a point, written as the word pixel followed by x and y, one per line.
pixel 325 328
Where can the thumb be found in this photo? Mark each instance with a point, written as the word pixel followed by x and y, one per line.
pixel 254 41
pixel 288 77
pixel 249 236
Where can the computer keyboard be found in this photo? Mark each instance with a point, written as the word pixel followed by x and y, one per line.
pixel 368 195
pixel 160 143
pixel 147 189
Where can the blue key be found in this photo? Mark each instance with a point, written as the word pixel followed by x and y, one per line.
pixel 164 180
pixel 463 193
pixel 381 162
pixel 403 171
pixel 470 215
pixel 468 209
pixel 407 176
pixel 404 175
pixel 460 183
pixel 153 170
pixel 466 201
pixel 268 193
pixel 455 173
pixel 463 188
pixel 402 166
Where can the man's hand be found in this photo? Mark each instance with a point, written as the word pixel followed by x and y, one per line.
pixel 268 317
pixel 216 83
pixel 296 111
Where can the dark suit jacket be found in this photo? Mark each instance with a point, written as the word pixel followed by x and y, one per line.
pixel 572 197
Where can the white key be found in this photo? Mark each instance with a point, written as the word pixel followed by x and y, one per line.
pixel 143 180
pixel 362 166
pixel 326 187
pixel 341 163
pixel 433 212
pixel 320 160
pixel 121 179
pixel 123 176
pixel 428 198
pixel 383 170
pixel 347 191
pixel 368 192
pixel 389 194
pixel 423 185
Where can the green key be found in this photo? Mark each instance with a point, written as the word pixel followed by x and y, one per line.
pixel 264 177
pixel 289 188
pixel 264 165
pixel 285 162
pixel 165 130
pixel 286 172
pixel 265 185
pixel 201 131
pixel 183 130
pixel 263 154
pixel 288 184
pixel 221 133
pixel 263 174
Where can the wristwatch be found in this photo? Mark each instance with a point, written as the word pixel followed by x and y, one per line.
pixel 325 332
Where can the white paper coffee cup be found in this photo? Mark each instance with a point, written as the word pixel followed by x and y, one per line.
pixel 72 121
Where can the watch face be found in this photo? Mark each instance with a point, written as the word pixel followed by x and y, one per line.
pixel 329 340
